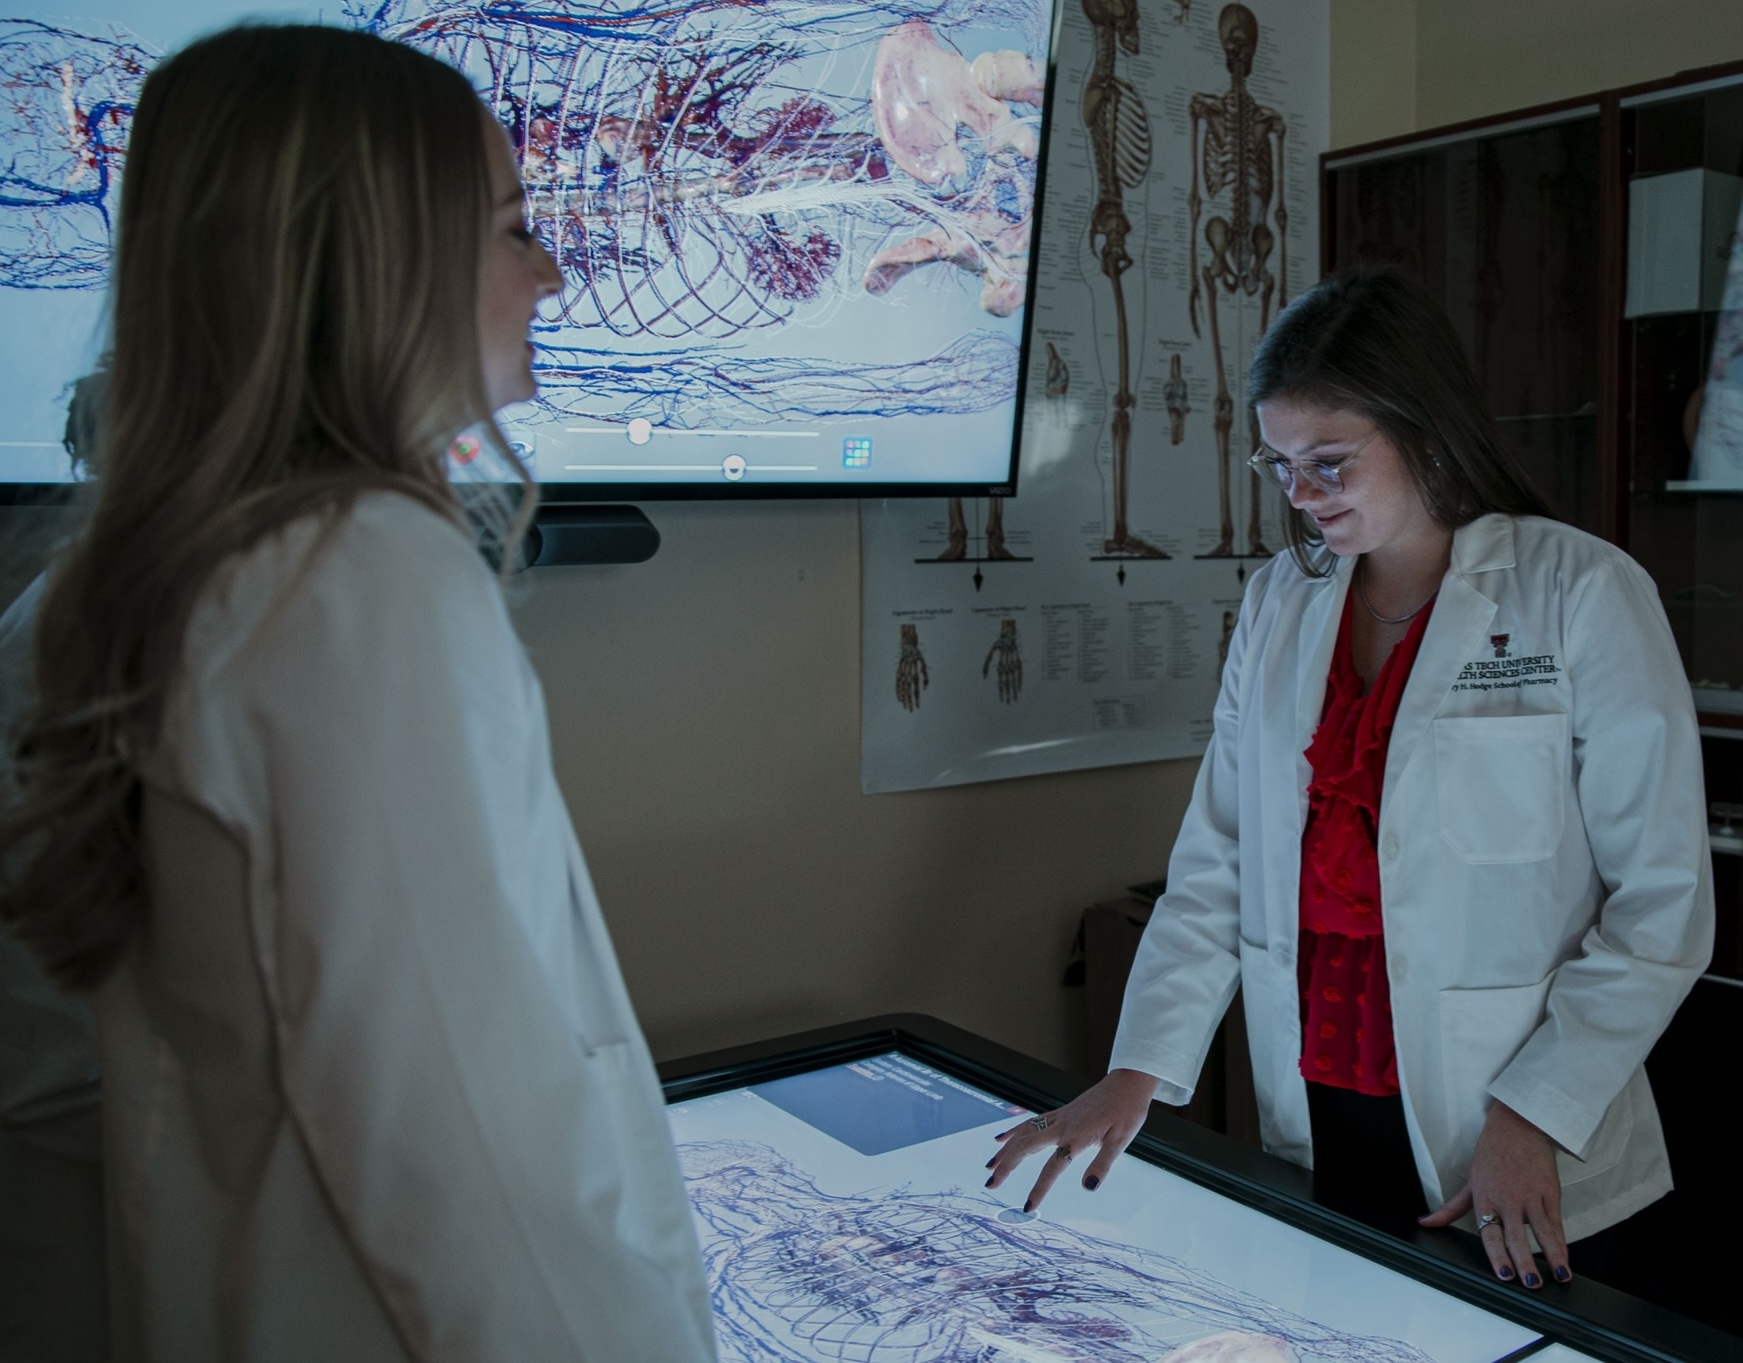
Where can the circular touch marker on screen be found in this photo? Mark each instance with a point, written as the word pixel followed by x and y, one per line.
pixel 1015 1216
pixel 641 430
pixel 733 467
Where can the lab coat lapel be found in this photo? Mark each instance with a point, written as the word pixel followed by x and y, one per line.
pixel 1456 633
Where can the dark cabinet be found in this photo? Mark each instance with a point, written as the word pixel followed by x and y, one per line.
pixel 1580 249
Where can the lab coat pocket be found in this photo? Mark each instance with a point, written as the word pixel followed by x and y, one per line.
pixel 1499 785
pixel 1481 1030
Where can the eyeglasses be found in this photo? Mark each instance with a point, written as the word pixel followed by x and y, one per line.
pixel 1327 476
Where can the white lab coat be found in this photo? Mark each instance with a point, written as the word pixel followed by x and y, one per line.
pixel 373 1086
pixel 1545 879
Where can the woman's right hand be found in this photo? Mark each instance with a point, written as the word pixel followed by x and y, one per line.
pixel 1107 1116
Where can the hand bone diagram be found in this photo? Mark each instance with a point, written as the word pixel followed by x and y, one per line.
pixel 1003 660
pixel 948 123
pixel 911 675
pixel 1010 662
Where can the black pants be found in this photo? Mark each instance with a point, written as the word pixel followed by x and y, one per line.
pixel 1362 1167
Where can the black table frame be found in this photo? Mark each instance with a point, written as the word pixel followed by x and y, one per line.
pixel 1583 1315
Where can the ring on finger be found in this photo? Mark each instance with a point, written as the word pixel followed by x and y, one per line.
pixel 1486 1220
pixel 1063 1152
pixel 1039 1123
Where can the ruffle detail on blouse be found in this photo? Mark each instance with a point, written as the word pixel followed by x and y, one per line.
pixel 1346 1005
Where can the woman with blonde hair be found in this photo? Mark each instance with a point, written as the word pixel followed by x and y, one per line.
pixel 372 1084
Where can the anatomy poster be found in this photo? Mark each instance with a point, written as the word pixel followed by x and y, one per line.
pixel 1084 622
pixel 841 1216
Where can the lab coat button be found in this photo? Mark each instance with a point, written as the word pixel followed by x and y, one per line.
pixel 1389 847
pixel 1400 967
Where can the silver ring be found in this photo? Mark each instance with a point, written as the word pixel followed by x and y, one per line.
pixel 1039 1123
pixel 1486 1220
pixel 1062 1152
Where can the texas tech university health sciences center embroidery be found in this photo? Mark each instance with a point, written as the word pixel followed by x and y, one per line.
pixel 1503 671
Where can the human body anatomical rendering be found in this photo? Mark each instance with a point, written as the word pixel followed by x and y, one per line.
pixel 1232 154
pixel 911 675
pixel 63 124
pixel 1010 662
pixel 800 1276
pixel 713 178
pixel 1119 139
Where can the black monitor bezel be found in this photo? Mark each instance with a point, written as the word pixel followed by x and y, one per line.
pixel 1582 1315
pixel 578 494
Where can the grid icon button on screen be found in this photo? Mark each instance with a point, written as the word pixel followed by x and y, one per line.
pixel 856 452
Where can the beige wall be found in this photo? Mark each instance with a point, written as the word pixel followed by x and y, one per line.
pixel 705 715
pixel 1403 65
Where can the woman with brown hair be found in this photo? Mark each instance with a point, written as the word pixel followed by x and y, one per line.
pixel 1449 836
pixel 372 1084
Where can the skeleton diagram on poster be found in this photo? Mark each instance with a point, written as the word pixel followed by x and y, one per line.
pixel 1179 217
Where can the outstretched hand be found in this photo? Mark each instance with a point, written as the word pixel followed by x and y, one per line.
pixel 1106 1116
pixel 1514 1184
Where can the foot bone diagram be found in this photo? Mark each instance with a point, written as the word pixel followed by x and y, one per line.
pixel 956 550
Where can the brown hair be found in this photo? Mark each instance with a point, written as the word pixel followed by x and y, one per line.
pixel 1374 341
pixel 294 318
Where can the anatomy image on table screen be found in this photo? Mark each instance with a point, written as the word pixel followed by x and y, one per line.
pixel 796 234
pixel 835 1226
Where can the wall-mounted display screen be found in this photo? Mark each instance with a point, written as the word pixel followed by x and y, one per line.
pixel 796 235
pixel 842 1216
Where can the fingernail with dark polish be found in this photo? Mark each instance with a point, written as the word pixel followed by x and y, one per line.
pixel 1092 1183
pixel 989 1182
pixel 1028 1207
pixel 1563 1273
pixel 989 1164
pixel 1505 1273
pixel 1532 1280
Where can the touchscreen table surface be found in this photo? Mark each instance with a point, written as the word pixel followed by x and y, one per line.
pixel 842 1217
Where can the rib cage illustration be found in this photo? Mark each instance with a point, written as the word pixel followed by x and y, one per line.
pixel 798 1275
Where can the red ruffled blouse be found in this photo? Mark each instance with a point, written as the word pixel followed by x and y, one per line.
pixel 1346 1005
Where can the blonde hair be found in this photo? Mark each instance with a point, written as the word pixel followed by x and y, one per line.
pixel 294 314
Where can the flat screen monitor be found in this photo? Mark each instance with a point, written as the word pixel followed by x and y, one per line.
pixel 797 235
pixel 842 1216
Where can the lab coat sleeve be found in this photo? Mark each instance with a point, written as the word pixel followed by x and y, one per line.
pixel 457 1121
pixel 1637 771
pixel 1188 961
